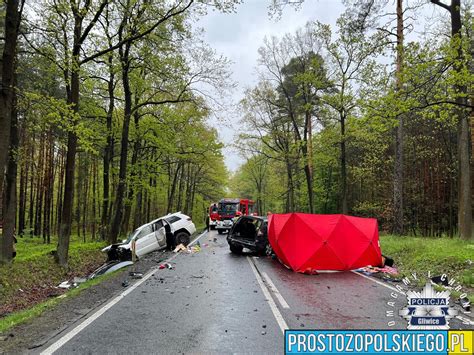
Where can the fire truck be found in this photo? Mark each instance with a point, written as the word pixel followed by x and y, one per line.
pixel 213 215
pixel 247 207
pixel 229 209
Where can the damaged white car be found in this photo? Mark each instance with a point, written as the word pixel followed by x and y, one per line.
pixel 167 231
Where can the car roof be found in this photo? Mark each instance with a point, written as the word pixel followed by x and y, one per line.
pixel 177 214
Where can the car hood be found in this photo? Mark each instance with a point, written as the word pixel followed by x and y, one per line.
pixel 119 245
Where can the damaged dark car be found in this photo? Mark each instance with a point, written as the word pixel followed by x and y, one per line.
pixel 249 232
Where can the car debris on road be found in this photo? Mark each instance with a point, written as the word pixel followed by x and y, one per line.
pixel 109 267
pixel 179 248
pixel 386 273
pixel 190 250
pixel 135 275
pixel 165 266
pixel 370 270
pixel 65 284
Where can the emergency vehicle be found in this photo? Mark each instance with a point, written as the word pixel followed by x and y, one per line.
pixel 229 209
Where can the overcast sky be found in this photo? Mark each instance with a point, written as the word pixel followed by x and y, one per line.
pixel 238 36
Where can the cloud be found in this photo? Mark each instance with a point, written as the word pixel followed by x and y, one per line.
pixel 239 35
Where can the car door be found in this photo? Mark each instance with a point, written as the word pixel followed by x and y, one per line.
pixel 160 233
pixel 144 241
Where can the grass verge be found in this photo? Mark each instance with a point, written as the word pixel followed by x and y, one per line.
pixel 28 285
pixel 437 256
pixel 17 318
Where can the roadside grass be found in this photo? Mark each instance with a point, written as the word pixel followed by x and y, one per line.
pixel 200 227
pixel 28 286
pixel 435 255
pixel 35 311
pixel 33 276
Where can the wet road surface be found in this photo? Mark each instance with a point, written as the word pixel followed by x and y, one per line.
pixel 215 302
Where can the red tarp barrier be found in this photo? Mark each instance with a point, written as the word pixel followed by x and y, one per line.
pixel 308 242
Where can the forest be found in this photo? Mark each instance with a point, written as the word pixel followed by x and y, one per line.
pixel 105 113
pixel 370 118
pixel 104 118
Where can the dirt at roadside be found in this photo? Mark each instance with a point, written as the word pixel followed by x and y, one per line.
pixel 30 335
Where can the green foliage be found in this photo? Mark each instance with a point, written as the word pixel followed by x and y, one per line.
pixel 20 288
pixel 361 93
pixel 434 255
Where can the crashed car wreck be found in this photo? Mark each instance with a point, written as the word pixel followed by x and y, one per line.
pixel 164 232
pixel 249 232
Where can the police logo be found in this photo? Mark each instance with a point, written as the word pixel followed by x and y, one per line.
pixel 428 309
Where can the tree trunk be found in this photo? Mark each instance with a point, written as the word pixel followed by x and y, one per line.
pixel 79 181
pixel 127 210
pixel 64 236
pixel 94 191
pixel 345 209
pixel 138 209
pixel 182 177
pixel 59 200
pixel 23 186
pixel 39 188
pixel 85 199
pixel 308 169
pixel 48 188
pixel 133 163
pixel 9 200
pixel 32 189
pixel 150 197
pixel 12 21
pixel 117 220
pixel 464 190
pixel 108 153
pixel 67 205
pixel 398 213
pixel 290 199
pixel 465 198
pixel 172 188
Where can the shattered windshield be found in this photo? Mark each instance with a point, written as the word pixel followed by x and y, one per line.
pixel 131 235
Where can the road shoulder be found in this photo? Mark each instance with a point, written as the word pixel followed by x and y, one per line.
pixel 34 334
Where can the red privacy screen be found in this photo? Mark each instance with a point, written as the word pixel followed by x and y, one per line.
pixel 309 242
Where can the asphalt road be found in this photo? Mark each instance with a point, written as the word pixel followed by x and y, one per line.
pixel 215 302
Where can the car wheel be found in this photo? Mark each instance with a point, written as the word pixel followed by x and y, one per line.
pixel 236 249
pixel 182 238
